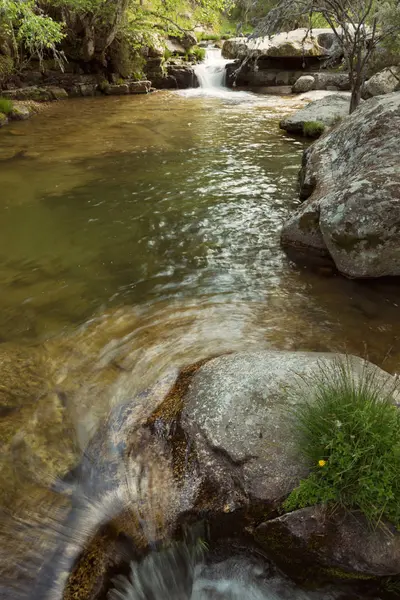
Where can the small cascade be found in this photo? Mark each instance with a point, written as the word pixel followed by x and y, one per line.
pixel 211 73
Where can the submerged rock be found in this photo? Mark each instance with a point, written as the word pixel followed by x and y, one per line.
pixel 351 180
pixel 327 112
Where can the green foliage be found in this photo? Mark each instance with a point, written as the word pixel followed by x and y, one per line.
pixel 196 53
pixel 6 67
pixel 6 106
pixel 114 33
pixel 313 129
pixel 348 429
pixel 30 28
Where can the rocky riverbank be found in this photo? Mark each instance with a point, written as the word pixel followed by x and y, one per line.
pixel 212 443
pixel 350 191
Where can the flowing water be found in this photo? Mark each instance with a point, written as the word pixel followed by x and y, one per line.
pixel 211 73
pixel 141 234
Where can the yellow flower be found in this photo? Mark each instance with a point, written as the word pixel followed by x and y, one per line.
pixel 322 463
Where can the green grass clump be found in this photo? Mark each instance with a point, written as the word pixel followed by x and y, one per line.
pixel 196 53
pixel 6 106
pixel 313 129
pixel 348 428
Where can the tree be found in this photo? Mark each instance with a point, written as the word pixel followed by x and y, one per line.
pixel 359 26
pixel 29 29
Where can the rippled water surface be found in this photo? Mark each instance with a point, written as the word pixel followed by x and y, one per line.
pixel 139 235
pixel 171 205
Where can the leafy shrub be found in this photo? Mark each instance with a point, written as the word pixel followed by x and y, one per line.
pixel 313 129
pixel 6 67
pixel 6 106
pixel 349 431
pixel 196 53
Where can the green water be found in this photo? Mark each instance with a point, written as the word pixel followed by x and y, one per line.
pixel 170 205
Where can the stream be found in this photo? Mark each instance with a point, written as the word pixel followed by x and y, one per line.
pixel 143 233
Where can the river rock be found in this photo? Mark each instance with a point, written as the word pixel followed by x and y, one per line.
pixel 20 113
pixel 237 414
pixel 351 180
pixel 39 94
pixel 326 111
pixel 328 80
pixel 340 544
pixel 237 417
pixel 296 43
pixel 83 89
pixel 57 93
pixel 3 120
pixel 305 83
pixel 117 89
pixel 384 82
pixel 234 48
pixel 139 87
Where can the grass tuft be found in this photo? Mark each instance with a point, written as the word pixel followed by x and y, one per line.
pixel 6 106
pixel 313 129
pixel 348 428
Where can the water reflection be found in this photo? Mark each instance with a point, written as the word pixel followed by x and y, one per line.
pixel 139 235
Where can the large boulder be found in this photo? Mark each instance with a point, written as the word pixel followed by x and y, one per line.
pixel 237 415
pixel 297 43
pixel 235 48
pixel 384 82
pixel 326 112
pixel 328 80
pixel 351 181
pixel 237 418
pixel 216 443
pixel 305 83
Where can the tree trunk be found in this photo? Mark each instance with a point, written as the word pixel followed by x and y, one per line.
pixel 355 95
pixel 357 78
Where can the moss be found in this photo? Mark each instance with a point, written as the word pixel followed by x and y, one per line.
pixel 313 129
pixel 6 106
pixel 337 573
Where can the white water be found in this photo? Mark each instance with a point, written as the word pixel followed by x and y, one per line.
pixel 211 73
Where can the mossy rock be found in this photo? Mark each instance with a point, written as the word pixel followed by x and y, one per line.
pixel 3 120
pixel 313 129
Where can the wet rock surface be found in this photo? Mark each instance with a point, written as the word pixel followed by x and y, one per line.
pixel 351 180
pixel 327 111
pixel 334 541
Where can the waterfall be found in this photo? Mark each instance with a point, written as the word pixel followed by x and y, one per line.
pixel 211 73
